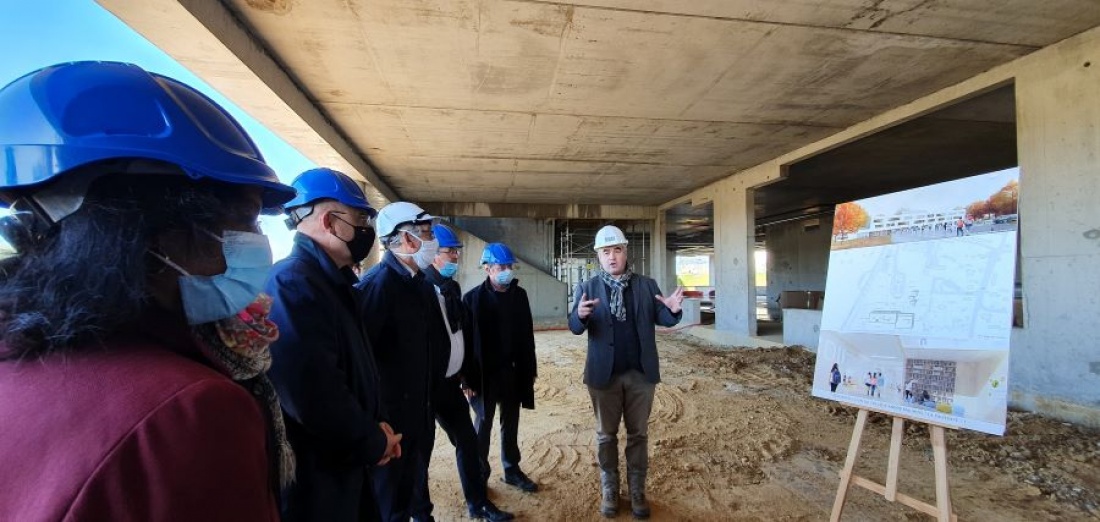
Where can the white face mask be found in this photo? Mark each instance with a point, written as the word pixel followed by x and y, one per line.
pixel 426 254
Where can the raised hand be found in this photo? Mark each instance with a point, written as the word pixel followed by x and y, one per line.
pixel 674 301
pixel 585 307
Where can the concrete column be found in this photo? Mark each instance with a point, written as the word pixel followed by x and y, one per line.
pixel 658 259
pixel 735 287
pixel 670 271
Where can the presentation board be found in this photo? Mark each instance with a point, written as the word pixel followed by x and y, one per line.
pixel 919 301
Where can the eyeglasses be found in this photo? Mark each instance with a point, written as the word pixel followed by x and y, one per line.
pixel 423 233
pixel 448 251
pixel 358 219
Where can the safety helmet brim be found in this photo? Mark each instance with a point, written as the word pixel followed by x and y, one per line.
pixel 68 116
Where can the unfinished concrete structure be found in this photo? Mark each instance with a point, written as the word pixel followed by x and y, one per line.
pixel 612 110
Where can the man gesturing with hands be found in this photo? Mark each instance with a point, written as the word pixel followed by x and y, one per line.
pixel 619 310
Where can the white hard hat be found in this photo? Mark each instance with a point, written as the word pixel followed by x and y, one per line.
pixel 393 215
pixel 609 236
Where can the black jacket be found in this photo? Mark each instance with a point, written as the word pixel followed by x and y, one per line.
pixel 324 374
pixel 647 312
pixel 458 316
pixel 405 325
pixel 484 335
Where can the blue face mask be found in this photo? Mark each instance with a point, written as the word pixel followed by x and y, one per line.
pixel 211 298
pixel 449 270
pixel 504 277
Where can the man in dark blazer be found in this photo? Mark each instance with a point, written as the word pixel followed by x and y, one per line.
pixel 322 364
pixel 502 334
pixel 619 310
pixel 405 325
pixel 451 409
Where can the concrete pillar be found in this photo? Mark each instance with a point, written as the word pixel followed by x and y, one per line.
pixel 658 259
pixel 735 286
pixel 670 271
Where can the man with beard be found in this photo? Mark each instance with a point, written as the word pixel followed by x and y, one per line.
pixel 619 310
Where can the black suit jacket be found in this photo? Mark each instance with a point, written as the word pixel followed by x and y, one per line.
pixel 647 312
pixel 458 316
pixel 484 336
pixel 401 315
pixel 324 373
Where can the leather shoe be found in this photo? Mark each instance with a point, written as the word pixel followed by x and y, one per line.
pixel 518 479
pixel 490 512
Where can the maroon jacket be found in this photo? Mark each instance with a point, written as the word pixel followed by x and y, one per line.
pixel 133 432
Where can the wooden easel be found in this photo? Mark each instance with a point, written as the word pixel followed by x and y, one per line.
pixel 942 509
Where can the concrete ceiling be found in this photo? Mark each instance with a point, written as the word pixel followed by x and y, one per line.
pixel 966 139
pixel 972 137
pixel 608 102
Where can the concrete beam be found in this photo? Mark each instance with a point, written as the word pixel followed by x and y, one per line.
pixel 539 211
pixel 211 42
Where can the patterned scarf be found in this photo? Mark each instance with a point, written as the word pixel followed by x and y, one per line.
pixel 239 345
pixel 617 287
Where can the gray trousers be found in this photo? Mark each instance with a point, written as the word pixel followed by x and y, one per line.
pixel 628 398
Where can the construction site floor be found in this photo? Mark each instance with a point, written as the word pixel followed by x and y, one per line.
pixel 735 435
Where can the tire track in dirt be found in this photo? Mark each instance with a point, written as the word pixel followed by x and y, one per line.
pixel 545 391
pixel 668 404
pixel 560 454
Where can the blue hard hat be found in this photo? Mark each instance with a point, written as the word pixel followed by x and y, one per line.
pixel 66 116
pixel 446 236
pixel 325 183
pixel 497 254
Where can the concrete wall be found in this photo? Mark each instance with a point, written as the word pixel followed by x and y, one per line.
pixel 1055 358
pixel 546 294
pixel 798 258
pixel 530 239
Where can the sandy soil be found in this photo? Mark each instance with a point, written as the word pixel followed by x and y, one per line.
pixel 735 435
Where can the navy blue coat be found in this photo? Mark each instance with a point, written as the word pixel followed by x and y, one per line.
pixel 325 376
pixel 405 326
pixel 484 336
pixel 647 311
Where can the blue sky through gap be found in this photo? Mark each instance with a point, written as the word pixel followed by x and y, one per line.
pixel 35 34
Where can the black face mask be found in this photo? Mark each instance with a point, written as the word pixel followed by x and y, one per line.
pixel 360 244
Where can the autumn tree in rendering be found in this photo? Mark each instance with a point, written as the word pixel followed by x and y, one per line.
pixel 849 218
pixel 1001 203
pixel 1006 200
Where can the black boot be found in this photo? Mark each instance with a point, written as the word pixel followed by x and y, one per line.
pixel 520 480
pixel 489 511
pixel 639 506
pixel 609 499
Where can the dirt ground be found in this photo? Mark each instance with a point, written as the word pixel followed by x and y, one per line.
pixel 735 435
